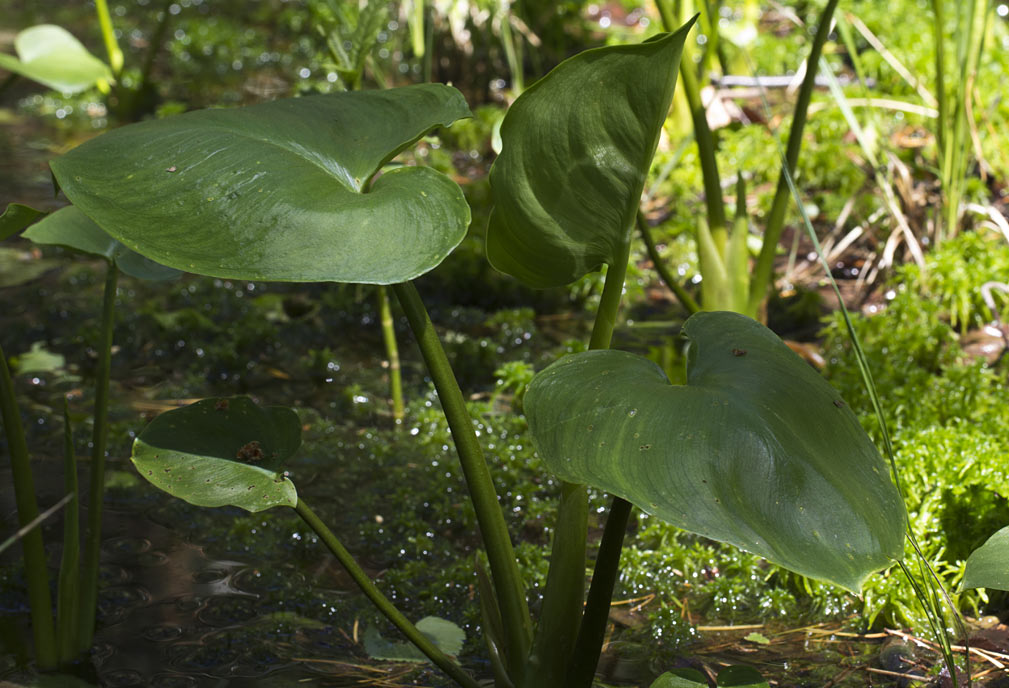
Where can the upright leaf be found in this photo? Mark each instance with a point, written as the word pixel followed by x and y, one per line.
pixel 576 147
pixel 756 450
pixel 218 452
pixel 279 191
pixel 988 565
pixel 51 56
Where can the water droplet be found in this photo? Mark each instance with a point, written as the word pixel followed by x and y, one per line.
pixel 633 412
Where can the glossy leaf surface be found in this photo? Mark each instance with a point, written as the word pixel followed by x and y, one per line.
pixel 988 565
pixel 220 452
pixel 51 56
pixel 73 229
pixel 279 191
pixel 757 450
pixel 575 150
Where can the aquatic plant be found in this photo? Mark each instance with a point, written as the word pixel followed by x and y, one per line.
pixel 78 585
pixel 291 191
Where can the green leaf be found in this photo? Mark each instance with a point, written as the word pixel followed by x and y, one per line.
pixel 988 565
pixel 681 678
pixel 756 450
pixel 758 638
pixel 223 451
pixel 575 150
pixel 73 229
pixel 51 56
pixel 446 635
pixel 16 217
pixel 739 676
pixel 279 191
pixel 38 360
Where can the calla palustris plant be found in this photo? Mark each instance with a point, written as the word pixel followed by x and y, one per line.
pixel 575 151
pixel 281 191
pixel 756 450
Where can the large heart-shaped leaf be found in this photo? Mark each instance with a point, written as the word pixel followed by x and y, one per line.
pixel 756 450
pixel 575 150
pixel 51 56
pixel 16 217
pixel 279 191
pixel 220 452
pixel 988 565
pixel 73 229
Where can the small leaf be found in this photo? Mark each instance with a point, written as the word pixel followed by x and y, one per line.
pixel 681 678
pixel 223 451
pixel 738 676
pixel 38 360
pixel 16 217
pixel 52 56
pixel 752 451
pixel 447 636
pixel 279 191
pixel 758 638
pixel 988 565
pixel 575 149
pixel 71 228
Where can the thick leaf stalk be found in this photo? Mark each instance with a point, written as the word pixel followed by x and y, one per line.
pixel 67 603
pixel 32 546
pixel 391 353
pixel 96 489
pixel 493 530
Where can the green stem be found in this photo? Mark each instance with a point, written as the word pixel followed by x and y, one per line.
pixel 512 50
pixel 493 530
pixel 685 299
pixel 597 608
pixel 423 643
pixel 96 491
pixel 109 37
pixel 154 46
pixel 609 302
pixel 763 272
pixel 391 352
pixel 67 602
pixel 32 546
pixel 555 648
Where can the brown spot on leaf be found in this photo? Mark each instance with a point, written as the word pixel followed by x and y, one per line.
pixel 739 352
pixel 173 168
pixel 221 405
pixel 838 403
pixel 250 453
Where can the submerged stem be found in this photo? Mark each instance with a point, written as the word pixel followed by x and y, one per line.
pixel 423 643
pixel 96 489
pixel 493 530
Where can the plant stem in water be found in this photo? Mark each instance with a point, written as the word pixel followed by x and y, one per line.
pixel 423 643
pixel 391 352
pixel 96 490
pixel 32 546
pixel 493 530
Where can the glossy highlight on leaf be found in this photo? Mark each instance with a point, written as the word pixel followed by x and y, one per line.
pixel 221 452
pixel 576 147
pixel 756 450
pixel 279 191
pixel 73 229
pixel 988 565
pixel 52 56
